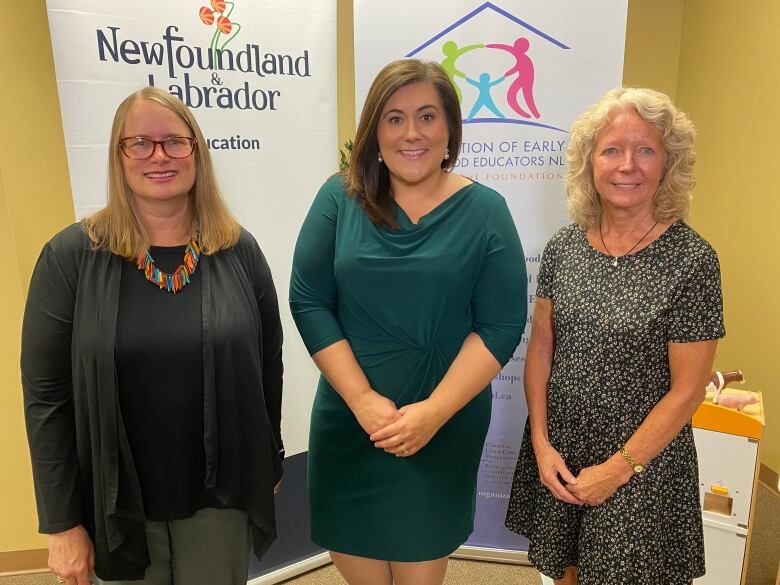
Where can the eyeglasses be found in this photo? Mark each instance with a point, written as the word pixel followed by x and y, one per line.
pixel 140 147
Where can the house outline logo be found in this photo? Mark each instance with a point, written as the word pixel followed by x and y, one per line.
pixel 518 104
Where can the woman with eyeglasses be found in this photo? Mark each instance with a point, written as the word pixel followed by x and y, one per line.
pixel 152 371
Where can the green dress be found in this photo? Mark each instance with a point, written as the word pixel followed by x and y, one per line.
pixel 405 299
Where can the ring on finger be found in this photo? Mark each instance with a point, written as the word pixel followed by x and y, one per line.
pixel 59 579
pixel 403 449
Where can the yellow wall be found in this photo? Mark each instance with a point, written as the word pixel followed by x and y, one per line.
pixel 718 58
pixel 717 68
pixel 729 82
pixel 346 72
pixel 35 202
pixel 653 44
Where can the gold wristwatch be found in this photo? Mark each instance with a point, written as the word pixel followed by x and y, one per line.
pixel 635 465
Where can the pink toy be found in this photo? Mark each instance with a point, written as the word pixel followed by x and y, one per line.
pixel 738 401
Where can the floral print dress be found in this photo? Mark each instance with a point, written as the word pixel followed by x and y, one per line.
pixel 612 324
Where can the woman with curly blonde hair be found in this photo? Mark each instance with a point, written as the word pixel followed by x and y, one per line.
pixel 626 322
pixel 672 199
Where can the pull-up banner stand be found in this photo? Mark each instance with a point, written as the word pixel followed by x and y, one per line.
pixel 260 77
pixel 524 71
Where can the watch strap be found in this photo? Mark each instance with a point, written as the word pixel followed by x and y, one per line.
pixel 635 465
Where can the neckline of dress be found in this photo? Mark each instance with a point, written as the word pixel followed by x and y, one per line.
pixel 433 212
pixel 168 249
pixel 661 236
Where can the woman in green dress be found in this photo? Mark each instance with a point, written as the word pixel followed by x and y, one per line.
pixel 409 290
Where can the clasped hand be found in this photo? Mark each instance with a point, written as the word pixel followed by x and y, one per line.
pixel 415 427
pixel 592 486
pixel 596 484
pixel 552 469
pixel 374 411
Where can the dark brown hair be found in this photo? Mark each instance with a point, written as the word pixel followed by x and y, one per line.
pixel 368 179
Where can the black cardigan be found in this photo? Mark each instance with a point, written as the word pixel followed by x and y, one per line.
pixel 82 467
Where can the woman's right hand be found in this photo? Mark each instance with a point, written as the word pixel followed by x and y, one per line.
pixel 552 468
pixel 373 411
pixel 72 556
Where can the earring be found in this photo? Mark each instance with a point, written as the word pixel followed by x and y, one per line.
pixel 447 154
pixel 379 157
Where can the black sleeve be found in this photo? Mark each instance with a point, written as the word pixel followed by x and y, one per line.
pixel 271 338
pixel 48 394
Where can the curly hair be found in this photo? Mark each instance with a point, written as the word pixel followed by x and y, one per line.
pixel 672 199
pixel 368 180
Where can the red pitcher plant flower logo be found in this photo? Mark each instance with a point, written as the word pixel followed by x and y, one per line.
pixel 219 13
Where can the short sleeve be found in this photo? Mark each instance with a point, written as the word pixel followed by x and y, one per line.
pixel 313 293
pixel 500 301
pixel 697 311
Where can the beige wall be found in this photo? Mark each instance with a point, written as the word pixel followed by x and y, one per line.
pixel 17 530
pixel 719 59
pixel 717 67
pixel 346 72
pixel 653 44
pixel 729 82
pixel 35 202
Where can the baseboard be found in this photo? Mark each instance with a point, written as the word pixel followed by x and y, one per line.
pixel 293 570
pixel 769 478
pixel 22 562
pixel 496 555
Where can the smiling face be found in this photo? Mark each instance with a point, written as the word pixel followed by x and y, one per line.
pixel 159 177
pixel 413 134
pixel 628 162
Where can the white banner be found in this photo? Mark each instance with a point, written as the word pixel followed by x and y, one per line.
pixel 260 77
pixel 525 70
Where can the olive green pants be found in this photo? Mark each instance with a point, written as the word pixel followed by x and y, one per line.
pixel 210 548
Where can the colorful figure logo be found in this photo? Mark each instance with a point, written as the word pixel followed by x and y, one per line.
pixel 523 69
pixel 451 54
pixel 496 81
pixel 485 100
pixel 219 14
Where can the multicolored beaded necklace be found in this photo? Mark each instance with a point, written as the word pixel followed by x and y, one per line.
pixel 172 283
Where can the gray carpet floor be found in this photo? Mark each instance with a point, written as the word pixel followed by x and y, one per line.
pixel 460 572
pixel 762 564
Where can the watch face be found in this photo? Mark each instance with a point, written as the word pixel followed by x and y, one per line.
pixel 639 468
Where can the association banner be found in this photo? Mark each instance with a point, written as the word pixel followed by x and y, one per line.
pixel 260 77
pixel 523 70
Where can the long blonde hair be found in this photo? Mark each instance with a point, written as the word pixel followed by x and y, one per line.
pixel 117 227
pixel 672 200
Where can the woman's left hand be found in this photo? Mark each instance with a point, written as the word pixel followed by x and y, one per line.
pixel 597 483
pixel 418 424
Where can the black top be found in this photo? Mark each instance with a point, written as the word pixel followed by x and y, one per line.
pixel 159 363
pixel 83 468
